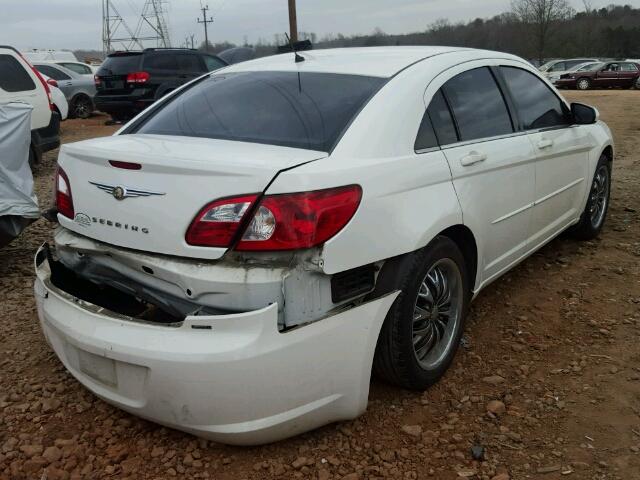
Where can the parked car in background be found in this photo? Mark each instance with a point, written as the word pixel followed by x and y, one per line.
pixel 78 89
pixel 581 67
pixel 233 261
pixel 79 67
pixel 128 82
pixel 43 55
pixel 20 82
pixel 562 65
pixel 609 75
pixel 57 97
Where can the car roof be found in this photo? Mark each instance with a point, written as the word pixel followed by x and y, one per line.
pixel 369 61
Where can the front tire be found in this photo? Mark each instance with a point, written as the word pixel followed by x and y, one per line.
pixel 583 84
pixel 595 212
pixel 422 331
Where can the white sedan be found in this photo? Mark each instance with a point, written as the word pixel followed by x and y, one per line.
pixel 236 260
pixel 57 97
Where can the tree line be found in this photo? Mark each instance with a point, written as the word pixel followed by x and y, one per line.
pixel 533 29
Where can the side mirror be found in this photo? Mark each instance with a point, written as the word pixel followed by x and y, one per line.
pixel 584 114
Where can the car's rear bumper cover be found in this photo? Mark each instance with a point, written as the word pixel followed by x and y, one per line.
pixel 230 378
pixel 47 138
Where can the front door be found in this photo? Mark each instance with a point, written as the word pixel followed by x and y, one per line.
pixel 607 77
pixel 492 168
pixel 561 153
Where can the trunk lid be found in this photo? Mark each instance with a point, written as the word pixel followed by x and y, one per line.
pixel 178 176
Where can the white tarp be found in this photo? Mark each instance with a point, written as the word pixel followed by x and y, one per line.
pixel 18 203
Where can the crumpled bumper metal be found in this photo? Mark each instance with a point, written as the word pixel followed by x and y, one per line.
pixel 230 378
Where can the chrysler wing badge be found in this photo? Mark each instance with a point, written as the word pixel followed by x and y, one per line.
pixel 120 192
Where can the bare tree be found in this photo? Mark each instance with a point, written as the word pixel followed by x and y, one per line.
pixel 542 16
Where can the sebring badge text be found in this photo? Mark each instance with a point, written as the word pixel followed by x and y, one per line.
pixel 86 221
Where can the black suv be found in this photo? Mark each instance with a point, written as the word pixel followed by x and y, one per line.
pixel 128 82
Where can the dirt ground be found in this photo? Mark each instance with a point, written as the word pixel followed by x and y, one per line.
pixel 556 341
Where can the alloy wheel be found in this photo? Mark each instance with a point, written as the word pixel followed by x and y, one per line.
pixel 437 313
pixel 599 196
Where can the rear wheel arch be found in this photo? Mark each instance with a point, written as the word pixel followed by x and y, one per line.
pixel 392 270
pixel 608 152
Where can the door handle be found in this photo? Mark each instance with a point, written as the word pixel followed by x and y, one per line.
pixel 545 143
pixel 472 158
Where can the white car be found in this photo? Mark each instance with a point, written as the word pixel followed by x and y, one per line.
pixel 582 67
pixel 235 259
pixel 20 82
pixel 57 97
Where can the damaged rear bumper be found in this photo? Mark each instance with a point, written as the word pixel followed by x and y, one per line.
pixel 233 378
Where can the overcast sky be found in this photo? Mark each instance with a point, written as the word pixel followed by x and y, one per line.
pixel 76 24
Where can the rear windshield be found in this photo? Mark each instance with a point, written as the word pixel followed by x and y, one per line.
pixel 120 64
pixel 302 110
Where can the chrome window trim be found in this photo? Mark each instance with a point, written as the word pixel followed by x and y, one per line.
pixel 484 140
pixel 427 150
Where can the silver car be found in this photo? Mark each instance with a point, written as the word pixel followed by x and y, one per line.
pixel 78 89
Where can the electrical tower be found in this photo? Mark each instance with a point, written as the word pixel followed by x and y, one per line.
pixel 151 28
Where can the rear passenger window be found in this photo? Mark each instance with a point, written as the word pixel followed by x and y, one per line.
pixel 13 76
pixel 537 105
pixel 440 117
pixel 161 62
pixel 478 106
pixel 53 72
pixel 190 63
pixel 426 136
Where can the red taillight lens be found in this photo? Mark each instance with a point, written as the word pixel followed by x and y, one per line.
pixel 43 82
pixel 137 77
pixel 52 82
pixel 217 223
pixel 300 220
pixel 64 200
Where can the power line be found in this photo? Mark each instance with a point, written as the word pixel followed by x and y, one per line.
pixel 205 21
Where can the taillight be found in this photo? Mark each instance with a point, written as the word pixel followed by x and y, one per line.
pixel 137 77
pixel 52 82
pixel 64 200
pixel 218 222
pixel 43 82
pixel 300 220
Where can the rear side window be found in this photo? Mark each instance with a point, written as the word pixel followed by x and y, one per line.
pixel 161 62
pixel 478 106
pixel 537 105
pixel 303 110
pixel 75 67
pixel 52 72
pixel 190 63
pixel 120 65
pixel 440 117
pixel 13 76
pixel 426 135
pixel 628 67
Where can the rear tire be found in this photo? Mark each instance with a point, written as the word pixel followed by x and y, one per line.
pixel 583 84
pixel 423 328
pixel 81 107
pixel 595 212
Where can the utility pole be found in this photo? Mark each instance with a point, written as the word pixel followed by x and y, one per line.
pixel 205 21
pixel 293 21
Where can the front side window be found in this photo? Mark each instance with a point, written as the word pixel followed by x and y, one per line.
pixel 477 104
pixel 13 76
pixel 302 110
pixel 53 72
pixel 612 67
pixel 537 105
pixel 213 63
pixel 589 67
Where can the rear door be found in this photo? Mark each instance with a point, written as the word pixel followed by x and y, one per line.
pixel 491 164
pixel 628 74
pixel 561 152
pixel 19 84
